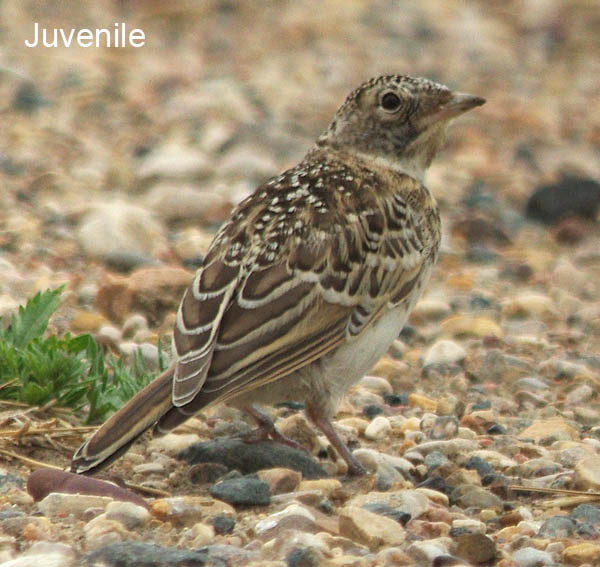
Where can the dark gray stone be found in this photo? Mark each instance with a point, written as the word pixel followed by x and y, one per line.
pixel 557 527
pixel 244 491
pixel 571 196
pixel 133 554
pixel 587 513
pixel 252 457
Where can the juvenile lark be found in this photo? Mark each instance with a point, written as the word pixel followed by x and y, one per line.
pixel 312 277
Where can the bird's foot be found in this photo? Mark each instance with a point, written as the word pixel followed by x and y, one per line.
pixel 266 430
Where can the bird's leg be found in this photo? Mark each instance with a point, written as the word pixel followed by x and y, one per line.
pixel 266 430
pixel 354 466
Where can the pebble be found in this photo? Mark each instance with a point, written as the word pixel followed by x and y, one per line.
pixel 128 514
pixel 587 474
pixel 176 202
pixel 555 429
pixel 189 509
pixel 412 502
pixel 472 496
pixel 571 195
pixel 252 457
pixel 532 557
pixel 119 228
pixel 476 548
pixel 444 352
pixel 581 553
pixel 245 491
pixel 174 161
pixel 557 527
pixel 280 480
pixel 330 487
pixel 378 428
pixel 369 529
pixel 173 443
pixel 471 326
pixel 135 554
pixel 58 505
pixel 376 384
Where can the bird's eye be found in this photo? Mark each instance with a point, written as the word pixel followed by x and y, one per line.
pixel 390 102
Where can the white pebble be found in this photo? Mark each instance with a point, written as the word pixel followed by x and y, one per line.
pixel 444 352
pixel 378 428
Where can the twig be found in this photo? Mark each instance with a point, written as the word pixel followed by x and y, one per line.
pixel 148 489
pixel 518 487
pixel 29 461
pixel 44 430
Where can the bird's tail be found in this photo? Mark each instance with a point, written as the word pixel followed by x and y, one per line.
pixel 116 435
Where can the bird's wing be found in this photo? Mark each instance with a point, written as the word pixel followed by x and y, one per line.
pixel 270 301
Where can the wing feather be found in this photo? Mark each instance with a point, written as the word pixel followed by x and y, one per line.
pixel 279 294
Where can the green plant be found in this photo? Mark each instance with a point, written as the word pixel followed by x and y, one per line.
pixel 73 370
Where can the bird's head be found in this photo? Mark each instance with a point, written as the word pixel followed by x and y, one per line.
pixel 396 118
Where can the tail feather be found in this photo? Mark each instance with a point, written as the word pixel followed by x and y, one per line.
pixel 117 434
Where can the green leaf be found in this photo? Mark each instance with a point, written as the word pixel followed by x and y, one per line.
pixel 32 320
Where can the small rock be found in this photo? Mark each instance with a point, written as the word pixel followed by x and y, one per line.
pixel 557 527
pixel 176 202
pixel 476 548
pixel 172 443
pixel 421 401
pixel 428 552
pixel 472 496
pixel 303 557
pixel 494 459
pixel 293 516
pixel 378 428
pixel 431 309
pixel 556 428
pixel 133 554
pixel 444 352
pixel 581 553
pixel 530 304
pixel 245 491
pixel 101 531
pixel 128 514
pixel 120 228
pixel 153 292
pixel 280 480
pixel 376 384
pixel 580 395
pixel 570 196
pixel 369 529
pixel 252 457
pixel 587 513
pixel 444 427
pixel 189 509
pixel 174 161
pixel 532 557
pixel 57 505
pixel 471 326
pixel 223 524
pixel 587 474
pixel 331 487
pixel 202 534
pixel 412 502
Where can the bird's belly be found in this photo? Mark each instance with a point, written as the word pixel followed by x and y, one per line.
pixel 348 364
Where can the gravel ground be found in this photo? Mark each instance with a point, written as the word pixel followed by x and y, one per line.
pixel 480 428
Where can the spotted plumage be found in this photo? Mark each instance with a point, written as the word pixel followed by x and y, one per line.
pixel 313 275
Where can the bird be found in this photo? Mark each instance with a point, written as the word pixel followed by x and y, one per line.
pixel 312 277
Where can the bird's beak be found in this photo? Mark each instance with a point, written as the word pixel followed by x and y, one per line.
pixel 457 104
